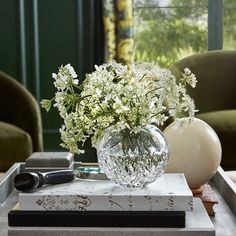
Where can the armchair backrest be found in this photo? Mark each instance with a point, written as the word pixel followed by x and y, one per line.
pixel 216 75
pixel 19 107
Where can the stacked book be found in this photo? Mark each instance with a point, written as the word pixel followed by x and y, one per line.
pixel 208 199
pixel 166 203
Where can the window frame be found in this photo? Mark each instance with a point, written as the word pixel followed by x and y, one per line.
pixel 215 24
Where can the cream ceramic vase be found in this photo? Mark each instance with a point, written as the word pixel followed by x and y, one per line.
pixel 195 150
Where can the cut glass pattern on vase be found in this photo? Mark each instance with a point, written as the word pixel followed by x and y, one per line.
pixel 133 160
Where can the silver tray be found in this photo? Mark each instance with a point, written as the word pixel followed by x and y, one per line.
pixel 224 190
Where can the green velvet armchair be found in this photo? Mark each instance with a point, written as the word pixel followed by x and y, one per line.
pixel 215 96
pixel 20 123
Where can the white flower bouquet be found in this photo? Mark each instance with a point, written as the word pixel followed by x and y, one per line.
pixel 119 96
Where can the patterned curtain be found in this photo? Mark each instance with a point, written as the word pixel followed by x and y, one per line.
pixel 119 30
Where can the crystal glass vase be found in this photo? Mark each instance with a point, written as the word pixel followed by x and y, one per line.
pixel 133 159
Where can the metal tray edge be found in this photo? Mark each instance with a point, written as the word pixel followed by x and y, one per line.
pixel 226 188
pixel 6 181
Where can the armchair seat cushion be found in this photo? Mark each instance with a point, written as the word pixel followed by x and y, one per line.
pixel 15 145
pixel 224 124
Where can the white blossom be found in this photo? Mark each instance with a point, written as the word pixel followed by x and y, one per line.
pixel 115 95
pixel 71 70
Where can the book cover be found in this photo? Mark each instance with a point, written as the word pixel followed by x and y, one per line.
pixel 97 218
pixel 170 192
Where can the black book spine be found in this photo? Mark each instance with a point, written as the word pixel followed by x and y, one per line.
pixel 170 219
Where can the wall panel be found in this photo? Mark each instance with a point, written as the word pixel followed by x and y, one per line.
pixel 37 36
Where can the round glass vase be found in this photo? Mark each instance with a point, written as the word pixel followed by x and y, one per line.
pixel 133 160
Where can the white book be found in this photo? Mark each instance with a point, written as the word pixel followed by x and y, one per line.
pixel 170 192
pixel 197 223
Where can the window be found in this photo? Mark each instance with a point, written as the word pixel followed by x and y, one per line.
pixel 168 30
pixel 229 32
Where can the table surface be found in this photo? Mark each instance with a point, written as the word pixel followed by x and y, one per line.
pixel 224 219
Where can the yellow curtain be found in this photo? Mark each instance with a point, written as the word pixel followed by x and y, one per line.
pixel 119 30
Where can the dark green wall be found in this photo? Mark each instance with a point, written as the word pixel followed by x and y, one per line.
pixel 37 36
